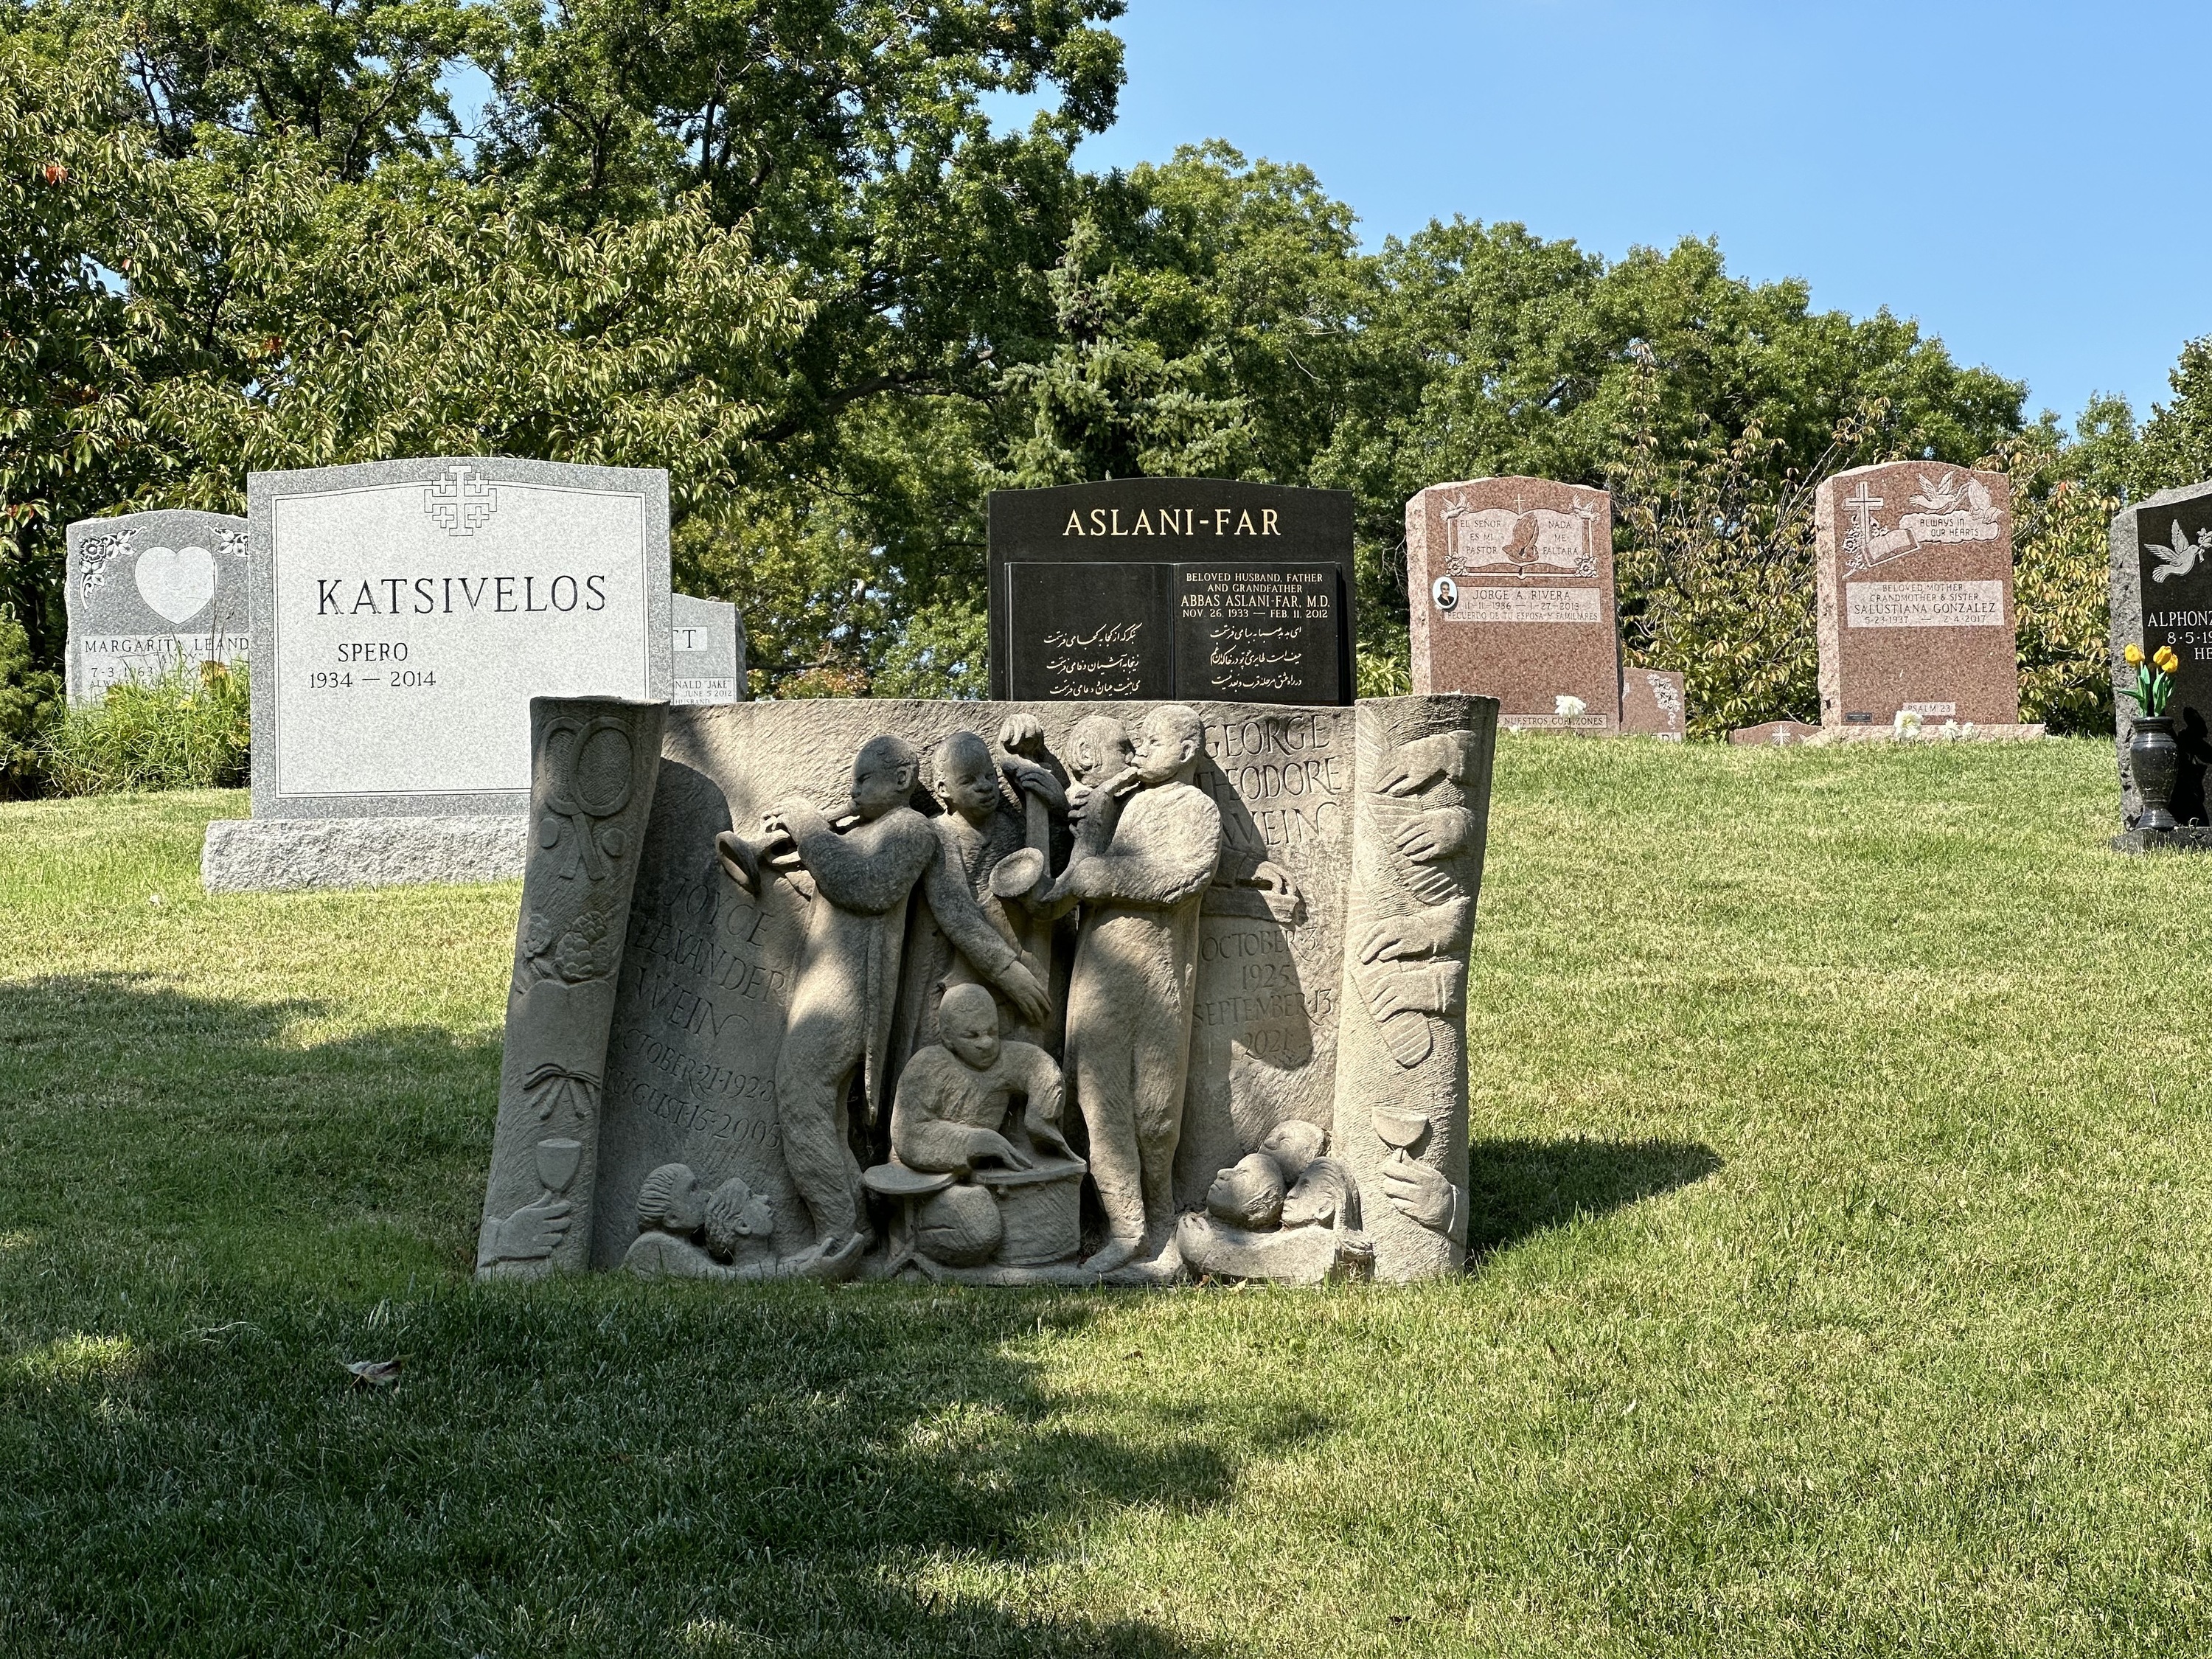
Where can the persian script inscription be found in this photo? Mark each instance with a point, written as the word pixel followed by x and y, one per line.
pixel 1256 633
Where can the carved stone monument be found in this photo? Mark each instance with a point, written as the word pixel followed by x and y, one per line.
pixel 1915 574
pixel 1197 588
pixel 2162 594
pixel 1004 993
pixel 1653 705
pixel 151 591
pixel 1511 581
pixel 405 613
pixel 707 639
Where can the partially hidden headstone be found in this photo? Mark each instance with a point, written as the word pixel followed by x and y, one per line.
pixel 1510 582
pixel 1002 993
pixel 1198 588
pixel 707 642
pixel 2162 595
pixel 405 613
pixel 1774 734
pixel 1916 598
pixel 150 592
pixel 1652 704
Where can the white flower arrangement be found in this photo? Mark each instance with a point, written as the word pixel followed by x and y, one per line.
pixel 1570 709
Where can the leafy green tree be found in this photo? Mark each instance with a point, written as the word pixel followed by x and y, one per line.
pixel 1489 350
pixel 187 319
pixel 1203 310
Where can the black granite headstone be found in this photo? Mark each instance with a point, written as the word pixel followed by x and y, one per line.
pixel 1265 633
pixel 1090 632
pixel 2176 568
pixel 1045 544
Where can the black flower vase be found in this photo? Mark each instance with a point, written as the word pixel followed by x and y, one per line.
pixel 2153 760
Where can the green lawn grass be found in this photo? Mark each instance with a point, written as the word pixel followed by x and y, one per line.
pixel 1842 1173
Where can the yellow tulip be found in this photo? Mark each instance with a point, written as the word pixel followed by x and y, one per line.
pixel 2134 654
pixel 2167 659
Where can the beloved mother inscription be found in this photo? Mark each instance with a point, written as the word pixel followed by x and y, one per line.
pixel 1188 588
pixel 1006 993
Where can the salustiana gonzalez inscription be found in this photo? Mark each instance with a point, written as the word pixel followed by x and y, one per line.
pixel 411 610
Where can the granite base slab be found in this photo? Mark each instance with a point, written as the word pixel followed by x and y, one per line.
pixel 1796 733
pixel 2188 838
pixel 263 856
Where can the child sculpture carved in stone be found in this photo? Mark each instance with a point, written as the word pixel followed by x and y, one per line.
pixel 952 1100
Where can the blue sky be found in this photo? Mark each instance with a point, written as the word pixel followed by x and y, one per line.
pixel 2029 181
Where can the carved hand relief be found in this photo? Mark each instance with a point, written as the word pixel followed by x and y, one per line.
pixel 1497 541
pixel 1947 508
pixel 1001 968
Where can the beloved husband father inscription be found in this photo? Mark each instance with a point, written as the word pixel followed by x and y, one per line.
pixel 1004 993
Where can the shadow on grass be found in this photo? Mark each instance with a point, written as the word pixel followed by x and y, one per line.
pixel 1519 1188
pixel 585 1467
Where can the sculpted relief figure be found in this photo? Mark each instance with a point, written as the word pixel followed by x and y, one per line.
pixel 842 1002
pixel 684 1233
pixel 1411 918
pixel 1147 846
pixel 981 824
pixel 952 1100
pixel 1284 1213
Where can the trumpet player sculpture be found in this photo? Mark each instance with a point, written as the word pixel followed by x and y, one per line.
pixel 1102 955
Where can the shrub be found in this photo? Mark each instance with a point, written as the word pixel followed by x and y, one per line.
pixel 30 699
pixel 190 729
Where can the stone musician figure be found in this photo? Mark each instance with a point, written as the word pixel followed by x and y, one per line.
pixel 841 1000
pixel 1149 842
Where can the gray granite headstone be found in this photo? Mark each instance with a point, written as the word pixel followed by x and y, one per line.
pixel 148 591
pixel 709 650
pixel 404 615
pixel 2162 594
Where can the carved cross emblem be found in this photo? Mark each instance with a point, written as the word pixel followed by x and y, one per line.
pixel 461 500
pixel 1861 507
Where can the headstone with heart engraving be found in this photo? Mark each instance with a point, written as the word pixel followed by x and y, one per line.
pixel 151 591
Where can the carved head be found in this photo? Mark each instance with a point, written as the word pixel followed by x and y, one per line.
pixel 882 774
pixel 736 1217
pixel 967 776
pixel 967 1020
pixel 670 1199
pixel 1173 738
pixel 1249 1194
pixel 1294 1144
pixel 1099 748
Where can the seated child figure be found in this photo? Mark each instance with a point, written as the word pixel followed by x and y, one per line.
pixel 952 1099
